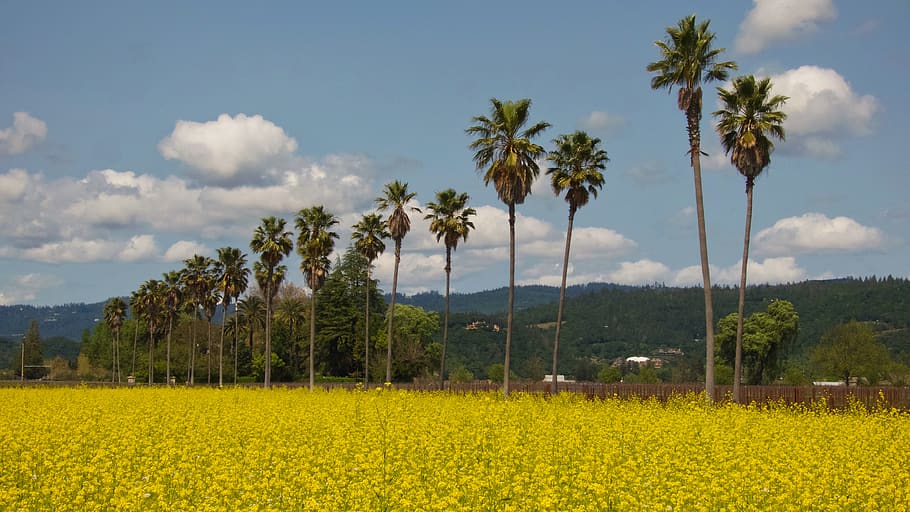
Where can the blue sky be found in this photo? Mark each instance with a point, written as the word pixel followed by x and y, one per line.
pixel 133 135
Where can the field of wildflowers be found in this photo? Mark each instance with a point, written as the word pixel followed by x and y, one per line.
pixel 251 449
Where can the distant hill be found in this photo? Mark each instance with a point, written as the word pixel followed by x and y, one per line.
pixel 496 300
pixel 68 320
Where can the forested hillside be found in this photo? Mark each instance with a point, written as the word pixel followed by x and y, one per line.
pixel 602 322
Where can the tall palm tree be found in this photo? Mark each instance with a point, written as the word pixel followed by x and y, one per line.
pixel 314 245
pixel 232 282
pixel 251 314
pixel 197 280
pixel 748 114
pixel 209 307
pixel 290 311
pixel 114 313
pixel 507 158
pixel 272 243
pixel 687 61
pixel 577 165
pixel 395 198
pixel 368 236
pixel 151 298
pixel 135 306
pixel 172 303
pixel 450 221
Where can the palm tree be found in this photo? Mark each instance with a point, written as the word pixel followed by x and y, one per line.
pixel 272 243
pixel 114 313
pixel 290 311
pixel 198 282
pixel 252 314
pixel 748 114
pixel 450 221
pixel 209 307
pixel 368 236
pixel 688 60
pixel 172 304
pixel 135 305
pixel 314 245
pixel 395 198
pixel 507 157
pixel 577 162
pixel 151 298
pixel 232 282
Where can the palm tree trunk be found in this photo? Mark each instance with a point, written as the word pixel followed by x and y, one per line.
pixel 151 356
pixel 388 361
pixel 312 337
pixel 738 364
pixel 236 344
pixel 170 330
pixel 208 354
pixel 135 342
pixel 221 343
pixel 562 298
pixel 505 369
pixel 114 359
pixel 117 357
pixel 268 331
pixel 366 339
pixel 191 356
pixel 445 325
pixel 693 116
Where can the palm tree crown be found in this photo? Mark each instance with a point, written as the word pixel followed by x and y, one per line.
pixel 396 198
pixel 315 244
pixel 688 60
pixel 368 235
pixel 504 151
pixel 578 162
pixel 449 218
pixel 748 114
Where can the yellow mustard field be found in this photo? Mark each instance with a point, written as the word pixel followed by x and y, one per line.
pixel 248 449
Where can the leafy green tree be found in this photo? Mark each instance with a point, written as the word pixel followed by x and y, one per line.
pixel 577 165
pixel 749 114
pixel 764 335
pixel 687 60
pixel 450 221
pixel 272 243
pixel 609 375
pixel 507 158
pixel 395 198
pixel 414 333
pixel 233 281
pixel 368 238
pixel 114 314
pixel 850 350
pixel 315 244
pixel 290 312
pixel 29 357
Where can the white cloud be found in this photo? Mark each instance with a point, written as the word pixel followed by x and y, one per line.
pixel 649 173
pixel 25 288
pixel 774 21
pixel 768 271
pixel 74 251
pixel 185 249
pixel 225 148
pixel 13 185
pixel 639 272
pixel 587 243
pixel 140 247
pixel 815 232
pixel 598 121
pixel 821 108
pixel 26 132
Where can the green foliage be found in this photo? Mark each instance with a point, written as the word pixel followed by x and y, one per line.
pixel 764 335
pixel 461 374
pixel 609 375
pixel 30 351
pixel 850 350
pixel 259 367
pixel 414 353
